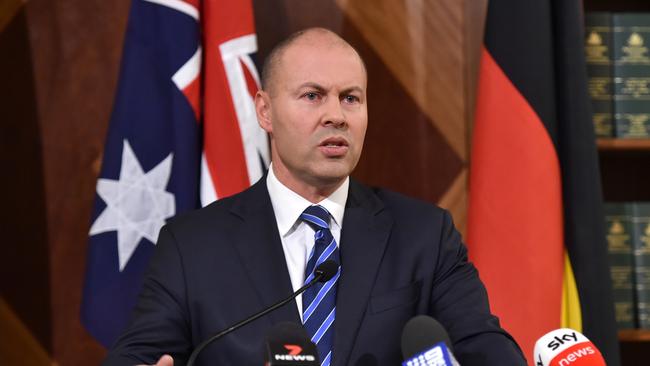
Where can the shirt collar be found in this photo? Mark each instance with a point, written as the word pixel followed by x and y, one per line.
pixel 288 205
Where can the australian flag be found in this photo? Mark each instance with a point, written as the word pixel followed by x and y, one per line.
pixel 183 133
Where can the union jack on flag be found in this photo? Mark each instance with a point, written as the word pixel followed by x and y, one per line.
pixel 183 133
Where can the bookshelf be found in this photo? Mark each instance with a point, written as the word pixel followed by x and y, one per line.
pixel 625 169
pixel 625 176
pixel 613 144
pixel 634 335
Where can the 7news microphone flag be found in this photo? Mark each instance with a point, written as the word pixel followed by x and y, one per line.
pixel 536 224
pixel 183 133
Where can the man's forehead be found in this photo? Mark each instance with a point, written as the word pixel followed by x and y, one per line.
pixel 321 63
pixel 317 45
pixel 315 50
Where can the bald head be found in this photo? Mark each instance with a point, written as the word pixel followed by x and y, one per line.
pixel 309 36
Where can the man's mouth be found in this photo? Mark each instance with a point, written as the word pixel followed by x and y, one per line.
pixel 334 142
pixel 334 146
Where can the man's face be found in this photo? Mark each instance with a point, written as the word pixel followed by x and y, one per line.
pixel 317 114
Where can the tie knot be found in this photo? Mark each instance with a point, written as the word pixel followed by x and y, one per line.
pixel 316 215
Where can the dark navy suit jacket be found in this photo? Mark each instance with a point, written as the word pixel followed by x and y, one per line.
pixel 400 257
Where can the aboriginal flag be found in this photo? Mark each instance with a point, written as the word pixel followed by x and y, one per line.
pixel 536 228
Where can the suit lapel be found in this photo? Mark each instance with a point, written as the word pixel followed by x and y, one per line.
pixel 260 250
pixel 366 227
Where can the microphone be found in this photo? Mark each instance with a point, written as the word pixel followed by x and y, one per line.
pixel 426 342
pixel 566 347
pixel 288 344
pixel 323 273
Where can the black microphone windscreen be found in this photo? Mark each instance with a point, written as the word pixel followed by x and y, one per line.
pixel 288 344
pixel 328 269
pixel 288 331
pixel 421 333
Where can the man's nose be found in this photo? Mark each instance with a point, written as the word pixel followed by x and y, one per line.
pixel 334 115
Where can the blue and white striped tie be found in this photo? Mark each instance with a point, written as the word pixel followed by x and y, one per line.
pixel 319 301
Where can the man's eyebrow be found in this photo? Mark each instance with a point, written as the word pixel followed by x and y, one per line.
pixel 320 88
pixel 312 85
pixel 352 89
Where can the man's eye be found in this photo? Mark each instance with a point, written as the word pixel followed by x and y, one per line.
pixel 311 96
pixel 351 99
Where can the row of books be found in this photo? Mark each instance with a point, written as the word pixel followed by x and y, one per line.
pixel 628 238
pixel 618 66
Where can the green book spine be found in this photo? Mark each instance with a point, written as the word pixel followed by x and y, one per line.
pixel 619 242
pixel 599 57
pixel 631 72
pixel 641 243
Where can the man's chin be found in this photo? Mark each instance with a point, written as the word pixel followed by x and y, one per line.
pixel 331 175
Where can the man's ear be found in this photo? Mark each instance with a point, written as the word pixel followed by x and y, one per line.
pixel 263 110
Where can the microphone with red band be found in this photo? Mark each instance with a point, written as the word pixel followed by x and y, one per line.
pixel 323 273
pixel 288 344
pixel 566 347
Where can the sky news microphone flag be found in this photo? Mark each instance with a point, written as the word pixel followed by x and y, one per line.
pixel 183 133
pixel 536 223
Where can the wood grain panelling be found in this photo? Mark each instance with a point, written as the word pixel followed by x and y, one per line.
pixel 421 42
pixel 18 346
pixel 275 20
pixel 8 9
pixel 76 46
pixel 474 26
pixel 24 262
pixel 403 150
pixel 455 200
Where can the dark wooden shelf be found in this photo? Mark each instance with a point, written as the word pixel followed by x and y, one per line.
pixel 623 144
pixel 634 335
pixel 617 5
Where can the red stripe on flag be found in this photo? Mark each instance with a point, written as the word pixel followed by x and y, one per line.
pixel 223 146
pixel 226 19
pixel 224 150
pixel 515 232
pixel 194 3
pixel 193 94
pixel 251 84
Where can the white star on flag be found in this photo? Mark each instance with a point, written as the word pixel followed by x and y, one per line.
pixel 136 204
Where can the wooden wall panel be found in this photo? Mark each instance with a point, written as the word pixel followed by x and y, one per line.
pixel 18 344
pixel 76 48
pixel 9 9
pixel 421 42
pixel 24 264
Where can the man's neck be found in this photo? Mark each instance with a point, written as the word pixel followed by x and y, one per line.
pixel 313 192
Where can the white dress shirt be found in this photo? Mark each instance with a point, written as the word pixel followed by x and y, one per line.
pixel 297 237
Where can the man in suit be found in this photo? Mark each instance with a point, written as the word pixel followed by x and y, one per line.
pixel 398 257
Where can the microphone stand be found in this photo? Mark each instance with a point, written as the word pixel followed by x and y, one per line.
pixel 256 316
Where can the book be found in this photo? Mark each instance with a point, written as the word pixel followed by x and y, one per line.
pixel 598 55
pixel 618 219
pixel 641 244
pixel 631 74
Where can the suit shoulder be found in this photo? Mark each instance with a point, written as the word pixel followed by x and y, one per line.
pixel 216 213
pixel 403 204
